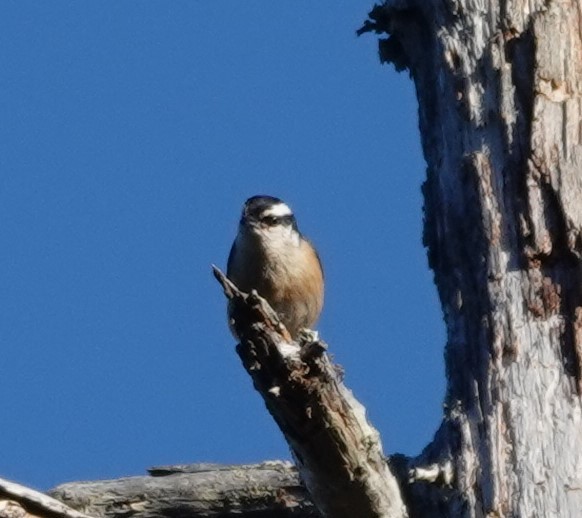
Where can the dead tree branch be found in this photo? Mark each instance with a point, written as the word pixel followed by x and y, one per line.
pixel 205 490
pixel 338 452
pixel 18 501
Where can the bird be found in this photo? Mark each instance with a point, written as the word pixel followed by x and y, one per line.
pixel 271 256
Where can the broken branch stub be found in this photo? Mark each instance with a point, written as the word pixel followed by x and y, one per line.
pixel 338 453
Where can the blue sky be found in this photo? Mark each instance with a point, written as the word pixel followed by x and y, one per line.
pixel 132 132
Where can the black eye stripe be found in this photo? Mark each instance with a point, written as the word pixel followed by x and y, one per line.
pixel 277 220
pixel 270 220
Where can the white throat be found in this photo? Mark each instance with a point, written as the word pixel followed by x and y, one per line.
pixel 277 240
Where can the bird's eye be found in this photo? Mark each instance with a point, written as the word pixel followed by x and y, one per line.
pixel 271 220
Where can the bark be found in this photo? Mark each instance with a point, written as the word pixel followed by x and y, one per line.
pixel 498 84
pixel 337 451
pixel 267 490
pixel 18 501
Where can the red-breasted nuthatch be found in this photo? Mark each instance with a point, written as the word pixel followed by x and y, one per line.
pixel 271 256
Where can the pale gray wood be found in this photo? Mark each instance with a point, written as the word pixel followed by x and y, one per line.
pixel 499 84
pixel 18 500
pixel 267 490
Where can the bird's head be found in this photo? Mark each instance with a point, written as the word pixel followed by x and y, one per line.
pixel 269 219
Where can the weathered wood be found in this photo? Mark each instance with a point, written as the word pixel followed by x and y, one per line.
pixel 17 501
pixel 337 451
pixel 499 87
pixel 200 490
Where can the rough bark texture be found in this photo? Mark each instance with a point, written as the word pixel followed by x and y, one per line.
pixel 18 501
pixel 337 451
pixel 498 84
pixel 267 490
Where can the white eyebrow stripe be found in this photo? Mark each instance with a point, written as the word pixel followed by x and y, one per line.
pixel 278 210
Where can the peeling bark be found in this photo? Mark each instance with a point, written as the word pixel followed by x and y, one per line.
pixel 498 84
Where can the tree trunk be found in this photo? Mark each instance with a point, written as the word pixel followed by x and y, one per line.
pixel 498 84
